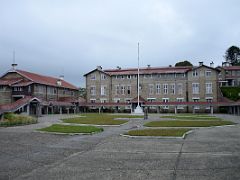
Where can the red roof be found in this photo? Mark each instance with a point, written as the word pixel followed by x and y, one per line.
pixel 232 68
pixel 148 70
pixel 17 104
pixel 135 100
pixel 45 79
pixel 9 81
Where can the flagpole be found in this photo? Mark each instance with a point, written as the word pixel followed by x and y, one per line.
pixel 138 74
pixel 138 109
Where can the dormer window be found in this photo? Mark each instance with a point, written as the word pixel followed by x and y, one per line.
pixel 103 76
pixel 59 82
pixel 17 89
pixel 195 73
pixel 93 77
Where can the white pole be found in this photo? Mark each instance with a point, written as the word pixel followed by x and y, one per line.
pixel 138 74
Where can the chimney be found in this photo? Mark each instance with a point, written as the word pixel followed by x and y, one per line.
pixel 118 67
pixel 148 65
pixel 99 68
pixel 212 64
pixel 14 65
pixel 200 63
pixel 61 77
pixel 170 65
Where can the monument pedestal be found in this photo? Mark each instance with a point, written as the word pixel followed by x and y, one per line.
pixel 138 111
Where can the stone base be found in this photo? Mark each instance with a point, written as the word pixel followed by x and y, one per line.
pixel 138 111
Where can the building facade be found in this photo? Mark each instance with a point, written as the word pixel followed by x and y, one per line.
pixel 22 91
pixel 163 89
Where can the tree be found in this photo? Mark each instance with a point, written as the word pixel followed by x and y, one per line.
pixel 183 63
pixel 232 55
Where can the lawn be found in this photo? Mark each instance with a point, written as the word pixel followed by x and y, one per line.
pixel 11 119
pixel 99 119
pixel 187 123
pixel 192 117
pixel 71 129
pixel 158 132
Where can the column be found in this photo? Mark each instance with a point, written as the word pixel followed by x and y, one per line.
pixel 47 110
pixel 211 107
pixel 28 109
pixel 67 110
pixel 60 110
pixel 193 109
pixel 175 109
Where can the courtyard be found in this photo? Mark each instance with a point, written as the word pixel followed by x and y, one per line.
pixel 205 153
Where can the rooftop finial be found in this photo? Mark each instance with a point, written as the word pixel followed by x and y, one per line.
pixel 14 65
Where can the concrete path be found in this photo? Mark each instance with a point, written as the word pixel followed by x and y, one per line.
pixel 211 153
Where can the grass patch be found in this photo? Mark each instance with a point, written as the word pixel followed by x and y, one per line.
pixel 187 123
pixel 158 132
pixel 99 119
pixel 11 119
pixel 192 117
pixel 71 129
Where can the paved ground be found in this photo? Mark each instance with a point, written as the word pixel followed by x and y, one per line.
pixel 211 153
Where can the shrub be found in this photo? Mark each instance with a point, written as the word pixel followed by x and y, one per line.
pixel 231 92
pixel 11 119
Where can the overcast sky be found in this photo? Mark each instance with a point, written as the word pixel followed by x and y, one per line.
pixel 72 37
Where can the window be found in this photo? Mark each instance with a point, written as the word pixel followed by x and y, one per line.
pixel 93 90
pixel 209 100
pixel 151 87
pixel 172 88
pixel 179 88
pixel 180 100
pixel 117 89
pixel 165 88
pixel 103 100
pixel 208 88
pixel 123 90
pixel 93 77
pixel 122 77
pixel 93 100
pixel 116 100
pixel 135 76
pixel 195 88
pixel 128 76
pixel 103 90
pixel 2 88
pixel 103 76
pixel 128 89
pixel 208 73
pixel 195 73
pixel 165 100
pixel 196 100
pixel 158 88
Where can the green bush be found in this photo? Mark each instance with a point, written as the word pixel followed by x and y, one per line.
pixel 11 119
pixel 231 93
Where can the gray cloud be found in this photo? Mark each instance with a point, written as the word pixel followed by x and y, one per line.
pixel 51 37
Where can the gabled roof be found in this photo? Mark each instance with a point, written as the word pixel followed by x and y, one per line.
pixel 11 107
pixel 46 80
pixel 197 67
pixel 9 82
pixel 97 69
